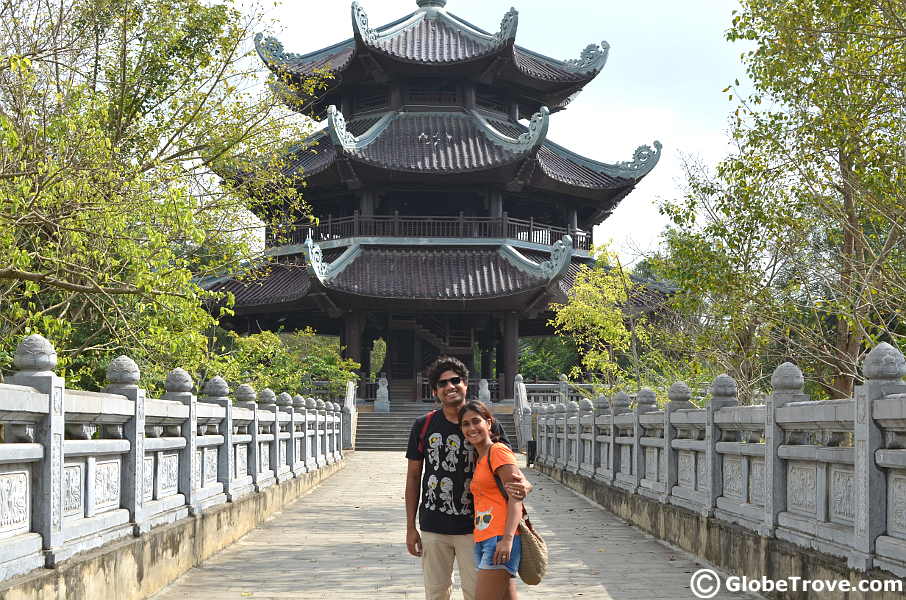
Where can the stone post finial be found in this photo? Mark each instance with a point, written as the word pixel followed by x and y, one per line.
pixel 298 401
pixel 787 378
pixel 320 404
pixel 122 372
pixel 284 399
pixel 216 387
pixel 679 392
pixel 585 405
pixel 620 402
pixel 178 381
pixel 35 354
pixel 884 363
pixel 310 403
pixel 602 403
pixel 646 400
pixel 572 408
pixel 246 393
pixel 723 386
pixel 267 396
pixel 518 379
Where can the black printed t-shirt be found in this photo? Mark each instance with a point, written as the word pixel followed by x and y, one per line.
pixel 445 505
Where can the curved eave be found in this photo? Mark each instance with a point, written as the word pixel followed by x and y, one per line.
pixel 468 142
pixel 333 59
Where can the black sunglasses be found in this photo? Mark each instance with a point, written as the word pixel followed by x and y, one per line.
pixel 443 382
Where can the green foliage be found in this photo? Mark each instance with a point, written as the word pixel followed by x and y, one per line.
pixel 118 120
pixel 545 358
pixel 378 356
pixel 285 362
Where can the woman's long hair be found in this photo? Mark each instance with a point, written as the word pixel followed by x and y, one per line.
pixel 481 409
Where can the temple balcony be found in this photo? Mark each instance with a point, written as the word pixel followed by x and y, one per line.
pixel 333 232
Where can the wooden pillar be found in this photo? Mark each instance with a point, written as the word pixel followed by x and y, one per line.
pixel 510 351
pixel 366 203
pixel 495 201
pixel 352 336
pixel 573 217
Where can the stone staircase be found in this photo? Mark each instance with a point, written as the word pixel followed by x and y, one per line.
pixel 390 431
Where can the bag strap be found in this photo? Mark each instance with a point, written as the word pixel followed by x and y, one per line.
pixel 500 485
pixel 424 431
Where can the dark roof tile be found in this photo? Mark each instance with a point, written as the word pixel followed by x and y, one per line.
pixel 434 274
pixel 281 283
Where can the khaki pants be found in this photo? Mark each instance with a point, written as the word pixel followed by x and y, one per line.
pixel 438 552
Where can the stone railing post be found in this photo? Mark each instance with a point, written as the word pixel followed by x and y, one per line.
pixel 299 439
pixel 561 435
pixel 311 434
pixel 563 389
pixel 723 393
pixel 331 429
pixel 216 391
pixel 285 447
pixel 247 398
pixel 35 359
pixel 619 404
pixel 587 454
pixel 178 387
pixel 883 369
pixel 645 402
pixel 573 429
pixel 122 378
pixel 267 401
pixel 602 449
pixel 338 431
pixel 350 416
pixel 787 382
pixel 678 395
pixel 321 433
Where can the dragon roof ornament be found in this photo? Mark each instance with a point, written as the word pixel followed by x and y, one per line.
pixel 536 134
pixel 643 160
pixel 344 139
pixel 320 269
pixel 550 269
pixel 592 59
pixel 560 256
pixel 271 51
pixel 360 24
pixel 508 25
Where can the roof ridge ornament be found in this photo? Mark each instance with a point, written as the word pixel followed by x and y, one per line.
pixel 536 134
pixel 592 59
pixel 270 49
pixel 336 125
pixel 360 24
pixel 508 25
pixel 643 160
pixel 561 254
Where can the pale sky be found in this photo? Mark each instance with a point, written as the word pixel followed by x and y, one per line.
pixel 667 66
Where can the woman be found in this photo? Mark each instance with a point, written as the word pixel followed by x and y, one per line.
pixel 497 544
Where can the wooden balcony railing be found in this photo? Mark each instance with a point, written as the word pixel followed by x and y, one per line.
pixel 396 225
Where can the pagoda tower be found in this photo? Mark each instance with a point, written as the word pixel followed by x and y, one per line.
pixel 447 218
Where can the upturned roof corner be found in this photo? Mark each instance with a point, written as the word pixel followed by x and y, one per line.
pixel 530 140
pixel 591 60
pixel 548 270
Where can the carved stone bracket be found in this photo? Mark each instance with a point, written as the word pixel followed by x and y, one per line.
pixel 360 24
pixel 530 140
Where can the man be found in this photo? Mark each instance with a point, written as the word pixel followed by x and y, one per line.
pixel 437 486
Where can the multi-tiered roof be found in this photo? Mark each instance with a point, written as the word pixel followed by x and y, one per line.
pixel 433 177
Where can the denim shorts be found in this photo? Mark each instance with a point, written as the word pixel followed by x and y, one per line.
pixel 484 555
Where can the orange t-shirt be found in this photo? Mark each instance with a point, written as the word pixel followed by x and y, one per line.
pixel 490 506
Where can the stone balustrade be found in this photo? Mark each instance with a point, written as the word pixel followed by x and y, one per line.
pixel 824 475
pixel 81 469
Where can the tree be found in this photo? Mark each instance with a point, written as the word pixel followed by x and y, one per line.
pixel 834 75
pixel 118 119
pixel 546 358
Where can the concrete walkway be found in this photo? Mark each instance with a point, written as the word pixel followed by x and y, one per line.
pixel 346 541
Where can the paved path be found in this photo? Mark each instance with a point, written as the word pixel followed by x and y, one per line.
pixel 346 541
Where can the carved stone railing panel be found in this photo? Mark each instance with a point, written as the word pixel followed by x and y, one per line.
pixel 81 469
